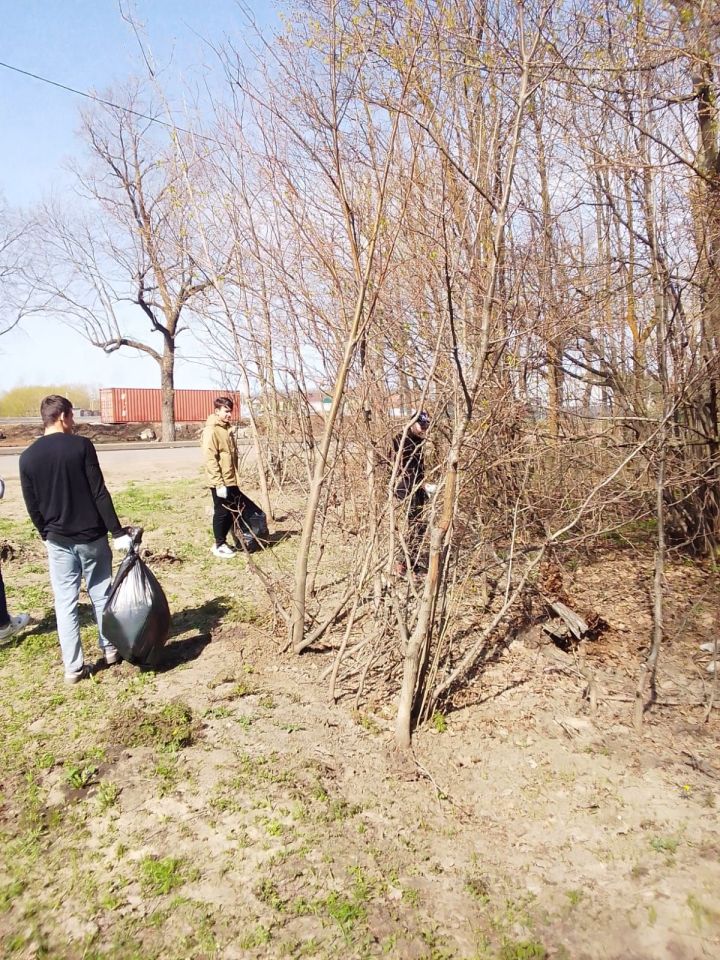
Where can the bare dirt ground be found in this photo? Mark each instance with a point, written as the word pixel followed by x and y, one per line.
pixel 21 434
pixel 222 807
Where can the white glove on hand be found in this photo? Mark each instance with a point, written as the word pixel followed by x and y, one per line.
pixel 122 543
pixel 221 492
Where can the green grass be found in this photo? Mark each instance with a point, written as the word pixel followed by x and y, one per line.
pixel 259 936
pixel 143 503
pixel 522 950
pixel 665 845
pixel 163 875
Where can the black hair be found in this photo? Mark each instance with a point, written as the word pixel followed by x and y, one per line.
pixel 223 402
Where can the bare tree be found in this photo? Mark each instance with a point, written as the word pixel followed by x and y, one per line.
pixel 129 257
pixel 463 212
pixel 16 249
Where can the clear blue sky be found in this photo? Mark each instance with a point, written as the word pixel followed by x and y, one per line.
pixel 85 44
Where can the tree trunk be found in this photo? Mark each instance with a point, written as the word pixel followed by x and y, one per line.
pixel 648 670
pixel 167 388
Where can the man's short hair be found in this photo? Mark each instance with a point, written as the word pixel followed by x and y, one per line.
pixel 53 407
pixel 221 402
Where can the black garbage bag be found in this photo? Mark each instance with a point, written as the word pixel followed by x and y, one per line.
pixel 255 529
pixel 251 525
pixel 136 619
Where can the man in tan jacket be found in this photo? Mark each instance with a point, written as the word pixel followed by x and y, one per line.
pixel 232 510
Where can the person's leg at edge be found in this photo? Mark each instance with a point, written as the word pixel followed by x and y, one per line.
pixel 65 574
pixel 9 625
pixel 96 562
pixel 222 518
pixel 4 615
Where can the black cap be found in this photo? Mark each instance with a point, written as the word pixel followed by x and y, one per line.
pixel 422 417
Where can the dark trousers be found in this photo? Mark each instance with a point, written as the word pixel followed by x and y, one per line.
pixel 228 514
pixel 416 526
pixel 4 615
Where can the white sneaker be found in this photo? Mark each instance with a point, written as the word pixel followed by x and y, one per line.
pixel 75 676
pixel 16 623
pixel 112 656
pixel 223 550
pixel 709 646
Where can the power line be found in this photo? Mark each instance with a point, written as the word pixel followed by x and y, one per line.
pixel 107 103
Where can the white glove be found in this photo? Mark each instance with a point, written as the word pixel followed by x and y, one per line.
pixel 430 488
pixel 221 492
pixel 122 543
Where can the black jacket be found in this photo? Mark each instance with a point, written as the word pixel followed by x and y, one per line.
pixel 64 490
pixel 411 468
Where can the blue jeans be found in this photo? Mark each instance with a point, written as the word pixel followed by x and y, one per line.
pixel 68 565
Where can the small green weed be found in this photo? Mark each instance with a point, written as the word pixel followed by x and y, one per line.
pixel 346 913
pixel 159 876
pixel 244 611
pixel 665 845
pixel 522 950
pixel 46 761
pixel 166 770
pixel 477 886
pixel 81 776
pixel 107 794
pixel 701 914
pixel 257 937
pixel 574 897
pixel 267 893
pixel 367 722
pixel 439 723
pixel 9 892
pixel 218 713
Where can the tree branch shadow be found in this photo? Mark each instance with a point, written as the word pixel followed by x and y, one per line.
pixel 204 618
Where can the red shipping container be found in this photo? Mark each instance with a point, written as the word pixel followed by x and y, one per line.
pixel 142 405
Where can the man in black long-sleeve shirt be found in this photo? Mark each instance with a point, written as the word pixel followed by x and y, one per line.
pixel 66 497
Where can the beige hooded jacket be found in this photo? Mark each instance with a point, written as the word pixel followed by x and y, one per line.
pixel 220 454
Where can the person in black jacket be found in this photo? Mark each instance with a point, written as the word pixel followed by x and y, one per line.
pixel 408 452
pixel 68 502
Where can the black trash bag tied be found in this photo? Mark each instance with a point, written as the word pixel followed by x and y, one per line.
pixel 136 620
